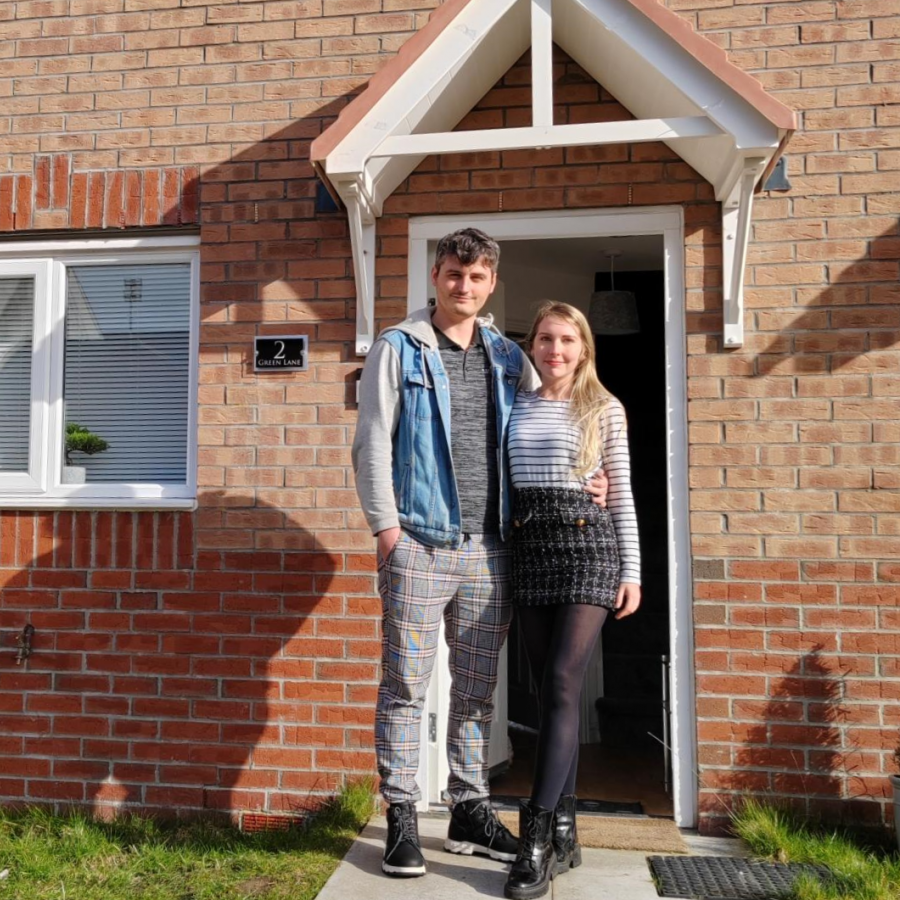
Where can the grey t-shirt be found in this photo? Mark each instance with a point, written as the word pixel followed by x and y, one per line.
pixel 473 433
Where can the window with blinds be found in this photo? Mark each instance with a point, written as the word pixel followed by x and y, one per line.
pixel 99 334
pixel 16 342
pixel 126 368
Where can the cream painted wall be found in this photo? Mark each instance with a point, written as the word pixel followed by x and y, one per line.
pixel 524 287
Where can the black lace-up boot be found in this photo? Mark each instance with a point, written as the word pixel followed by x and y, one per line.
pixel 565 835
pixel 475 828
pixel 402 851
pixel 535 863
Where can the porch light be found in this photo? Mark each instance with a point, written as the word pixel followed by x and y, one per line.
pixel 613 312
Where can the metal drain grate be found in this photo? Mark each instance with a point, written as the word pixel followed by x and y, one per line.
pixel 725 878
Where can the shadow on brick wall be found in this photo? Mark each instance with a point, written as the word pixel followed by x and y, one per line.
pixel 167 677
pixel 803 753
pixel 225 659
pixel 844 324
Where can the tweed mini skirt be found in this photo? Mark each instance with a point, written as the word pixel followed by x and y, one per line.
pixel 564 549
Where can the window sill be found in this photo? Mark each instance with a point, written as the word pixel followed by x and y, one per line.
pixel 118 503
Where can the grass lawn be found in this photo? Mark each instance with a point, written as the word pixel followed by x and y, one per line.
pixel 72 857
pixel 861 872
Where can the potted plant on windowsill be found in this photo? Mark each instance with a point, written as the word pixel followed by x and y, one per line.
pixel 80 440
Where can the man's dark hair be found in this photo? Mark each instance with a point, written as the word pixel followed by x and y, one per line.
pixel 469 246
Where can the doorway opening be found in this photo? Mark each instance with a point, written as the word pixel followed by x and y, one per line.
pixel 571 242
pixel 624 763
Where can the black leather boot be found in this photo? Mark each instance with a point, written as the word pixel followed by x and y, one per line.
pixel 402 852
pixel 565 835
pixel 535 863
pixel 475 828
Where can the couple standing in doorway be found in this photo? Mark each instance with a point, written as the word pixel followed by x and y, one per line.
pixel 491 482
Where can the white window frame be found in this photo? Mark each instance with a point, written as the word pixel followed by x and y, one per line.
pixel 33 479
pixel 42 487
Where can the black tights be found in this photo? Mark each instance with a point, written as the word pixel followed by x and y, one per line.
pixel 559 641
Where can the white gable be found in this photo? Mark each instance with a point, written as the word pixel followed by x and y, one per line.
pixel 679 86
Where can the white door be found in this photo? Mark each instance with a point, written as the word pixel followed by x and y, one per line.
pixel 667 222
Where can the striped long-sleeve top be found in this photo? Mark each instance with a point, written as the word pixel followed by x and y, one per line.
pixel 543 449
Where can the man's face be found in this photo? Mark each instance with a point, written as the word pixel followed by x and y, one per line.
pixel 462 290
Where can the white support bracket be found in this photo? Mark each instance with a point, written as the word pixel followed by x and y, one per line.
pixel 736 217
pixel 541 63
pixel 362 240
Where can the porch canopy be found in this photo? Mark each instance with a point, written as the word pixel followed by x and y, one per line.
pixel 679 85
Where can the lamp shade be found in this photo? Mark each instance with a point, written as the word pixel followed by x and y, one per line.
pixel 614 312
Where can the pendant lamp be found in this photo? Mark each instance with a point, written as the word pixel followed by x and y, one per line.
pixel 612 311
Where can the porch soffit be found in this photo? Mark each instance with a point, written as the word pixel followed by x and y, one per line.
pixel 680 87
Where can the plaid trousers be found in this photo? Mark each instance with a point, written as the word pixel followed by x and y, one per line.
pixel 470 588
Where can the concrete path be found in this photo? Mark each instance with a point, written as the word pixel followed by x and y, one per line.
pixel 604 874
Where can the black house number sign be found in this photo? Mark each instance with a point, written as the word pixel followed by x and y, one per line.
pixel 284 353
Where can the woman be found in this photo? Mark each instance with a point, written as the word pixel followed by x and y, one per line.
pixel 572 563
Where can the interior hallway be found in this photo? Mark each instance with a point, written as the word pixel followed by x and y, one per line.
pixel 617 774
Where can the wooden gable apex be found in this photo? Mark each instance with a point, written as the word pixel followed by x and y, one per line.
pixel 680 87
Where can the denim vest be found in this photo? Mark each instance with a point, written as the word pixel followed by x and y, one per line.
pixel 424 478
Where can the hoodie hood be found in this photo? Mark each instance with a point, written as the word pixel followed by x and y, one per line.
pixel 419 326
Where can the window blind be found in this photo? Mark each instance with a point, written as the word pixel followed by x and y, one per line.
pixel 126 373
pixel 16 339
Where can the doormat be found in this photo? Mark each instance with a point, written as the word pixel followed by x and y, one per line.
pixel 589 807
pixel 620 833
pixel 726 878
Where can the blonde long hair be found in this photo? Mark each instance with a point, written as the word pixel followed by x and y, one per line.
pixel 589 397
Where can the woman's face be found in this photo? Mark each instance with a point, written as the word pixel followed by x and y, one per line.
pixel 557 350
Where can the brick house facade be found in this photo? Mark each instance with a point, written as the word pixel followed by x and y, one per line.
pixel 226 658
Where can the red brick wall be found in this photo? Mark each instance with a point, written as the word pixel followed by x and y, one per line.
pixel 227 659
pixel 795 439
pixel 224 659
pixel 52 196
pixel 171 676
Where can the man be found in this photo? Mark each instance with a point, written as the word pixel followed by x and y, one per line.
pixel 431 473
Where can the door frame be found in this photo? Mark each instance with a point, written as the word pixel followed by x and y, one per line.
pixel 668 222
